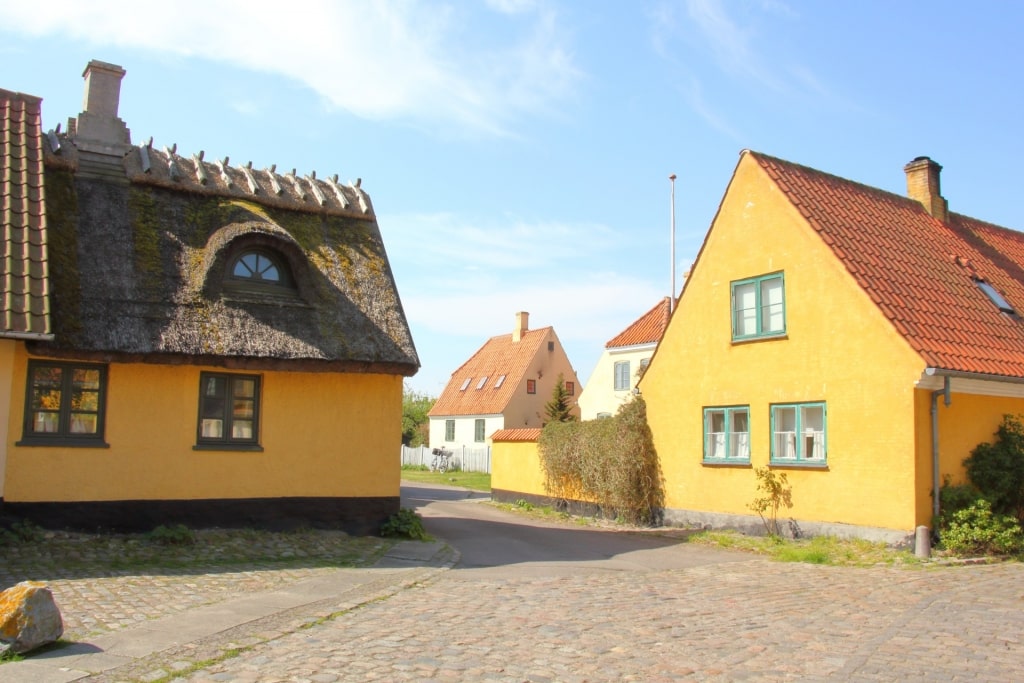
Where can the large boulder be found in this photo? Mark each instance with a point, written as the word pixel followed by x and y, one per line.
pixel 29 617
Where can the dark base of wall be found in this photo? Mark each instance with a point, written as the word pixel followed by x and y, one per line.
pixel 573 507
pixel 357 516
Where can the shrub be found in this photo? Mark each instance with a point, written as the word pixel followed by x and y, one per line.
pixel 976 530
pixel 611 463
pixel 997 469
pixel 777 492
pixel 20 531
pixel 404 524
pixel 178 534
pixel 954 498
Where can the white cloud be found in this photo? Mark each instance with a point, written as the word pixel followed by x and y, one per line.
pixel 385 59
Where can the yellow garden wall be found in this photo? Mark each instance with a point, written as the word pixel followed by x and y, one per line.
pixel 323 435
pixel 838 349
pixel 515 467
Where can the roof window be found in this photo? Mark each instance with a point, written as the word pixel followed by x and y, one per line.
pixel 466 383
pixel 501 380
pixel 994 296
pixel 482 382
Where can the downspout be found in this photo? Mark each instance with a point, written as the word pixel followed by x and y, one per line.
pixel 944 392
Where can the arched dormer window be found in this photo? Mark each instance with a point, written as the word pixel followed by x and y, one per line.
pixel 260 270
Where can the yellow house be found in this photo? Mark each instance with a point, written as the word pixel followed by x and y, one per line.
pixel 859 341
pixel 226 344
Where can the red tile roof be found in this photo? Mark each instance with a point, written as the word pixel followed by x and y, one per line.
pixel 512 435
pixel 498 357
pixel 647 329
pixel 24 299
pixel 920 271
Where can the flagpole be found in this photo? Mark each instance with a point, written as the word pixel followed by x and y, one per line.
pixel 672 244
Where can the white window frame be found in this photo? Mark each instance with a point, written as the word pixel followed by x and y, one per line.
pixel 727 445
pixel 449 430
pixel 799 433
pixel 621 375
pixel 480 430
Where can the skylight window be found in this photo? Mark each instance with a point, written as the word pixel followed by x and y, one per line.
pixel 466 383
pixel 481 383
pixel 994 296
pixel 501 380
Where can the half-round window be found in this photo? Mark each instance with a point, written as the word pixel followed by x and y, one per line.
pixel 260 269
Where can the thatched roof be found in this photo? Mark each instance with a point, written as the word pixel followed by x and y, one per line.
pixel 140 247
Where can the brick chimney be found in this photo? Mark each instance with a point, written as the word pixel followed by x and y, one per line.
pixel 97 129
pixel 522 325
pixel 923 185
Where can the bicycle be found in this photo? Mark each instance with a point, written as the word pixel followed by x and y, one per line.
pixel 441 461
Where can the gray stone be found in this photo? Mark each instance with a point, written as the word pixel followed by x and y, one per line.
pixel 29 617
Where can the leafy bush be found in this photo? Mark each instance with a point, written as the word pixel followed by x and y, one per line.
pixel 178 534
pixel 976 530
pixel 609 462
pixel 997 469
pixel 953 498
pixel 404 524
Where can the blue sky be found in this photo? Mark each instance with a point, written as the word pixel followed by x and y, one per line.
pixel 518 152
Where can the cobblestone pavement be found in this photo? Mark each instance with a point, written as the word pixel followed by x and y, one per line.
pixel 753 620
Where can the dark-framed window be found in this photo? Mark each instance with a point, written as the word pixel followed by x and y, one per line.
pixel 229 411
pixel 449 430
pixel 259 270
pixel 759 307
pixel 65 404
pixel 622 375
pixel 531 386
pixel 479 428
pixel 570 388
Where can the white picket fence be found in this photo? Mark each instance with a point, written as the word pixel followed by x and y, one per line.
pixel 465 459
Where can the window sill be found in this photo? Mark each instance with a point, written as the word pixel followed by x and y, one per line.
pixel 761 338
pixel 726 463
pixel 797 465
pixel 252 448
pixel 63 442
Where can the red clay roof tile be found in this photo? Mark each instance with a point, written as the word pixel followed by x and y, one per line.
pixel 920 271
pixel 24 295
pixel 648 328
pixel 512 435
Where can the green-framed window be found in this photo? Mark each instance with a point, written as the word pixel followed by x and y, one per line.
pixel 622 375
pixel 65 404
pixel 727 434
pixel 229 411
pixel 759 307
pixel 799 434
pixel 449 430
pixel 479 428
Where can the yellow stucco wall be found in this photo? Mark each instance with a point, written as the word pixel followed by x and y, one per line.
pixel 515 466
pixel 7 354
pixel 838 349
pixel 323 434
pixel 970 419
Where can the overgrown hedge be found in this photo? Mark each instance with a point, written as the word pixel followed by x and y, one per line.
pixel 610 462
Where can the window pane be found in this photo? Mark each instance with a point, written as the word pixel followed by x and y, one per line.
pixel 739 439
pixel 785 433
pixel 772 308
pixel 245 388
pixel 213 429
pixel 45 423
pixel 84 423
pixel 716 433
pixel 243 409
pixel 812 425
pixel 745 309
pixel 46 388
pixel 241 429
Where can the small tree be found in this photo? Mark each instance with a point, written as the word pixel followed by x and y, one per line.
pixel 558 408
pixel 997 469
pixel 415 423
pixel 777 492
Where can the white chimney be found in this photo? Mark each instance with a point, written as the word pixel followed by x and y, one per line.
pixel 522 325
pixel 98 129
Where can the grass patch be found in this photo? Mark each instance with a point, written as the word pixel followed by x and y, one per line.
pixel 818 550
pixel 477 481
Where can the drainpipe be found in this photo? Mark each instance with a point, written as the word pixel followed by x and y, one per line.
pixel 944 392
